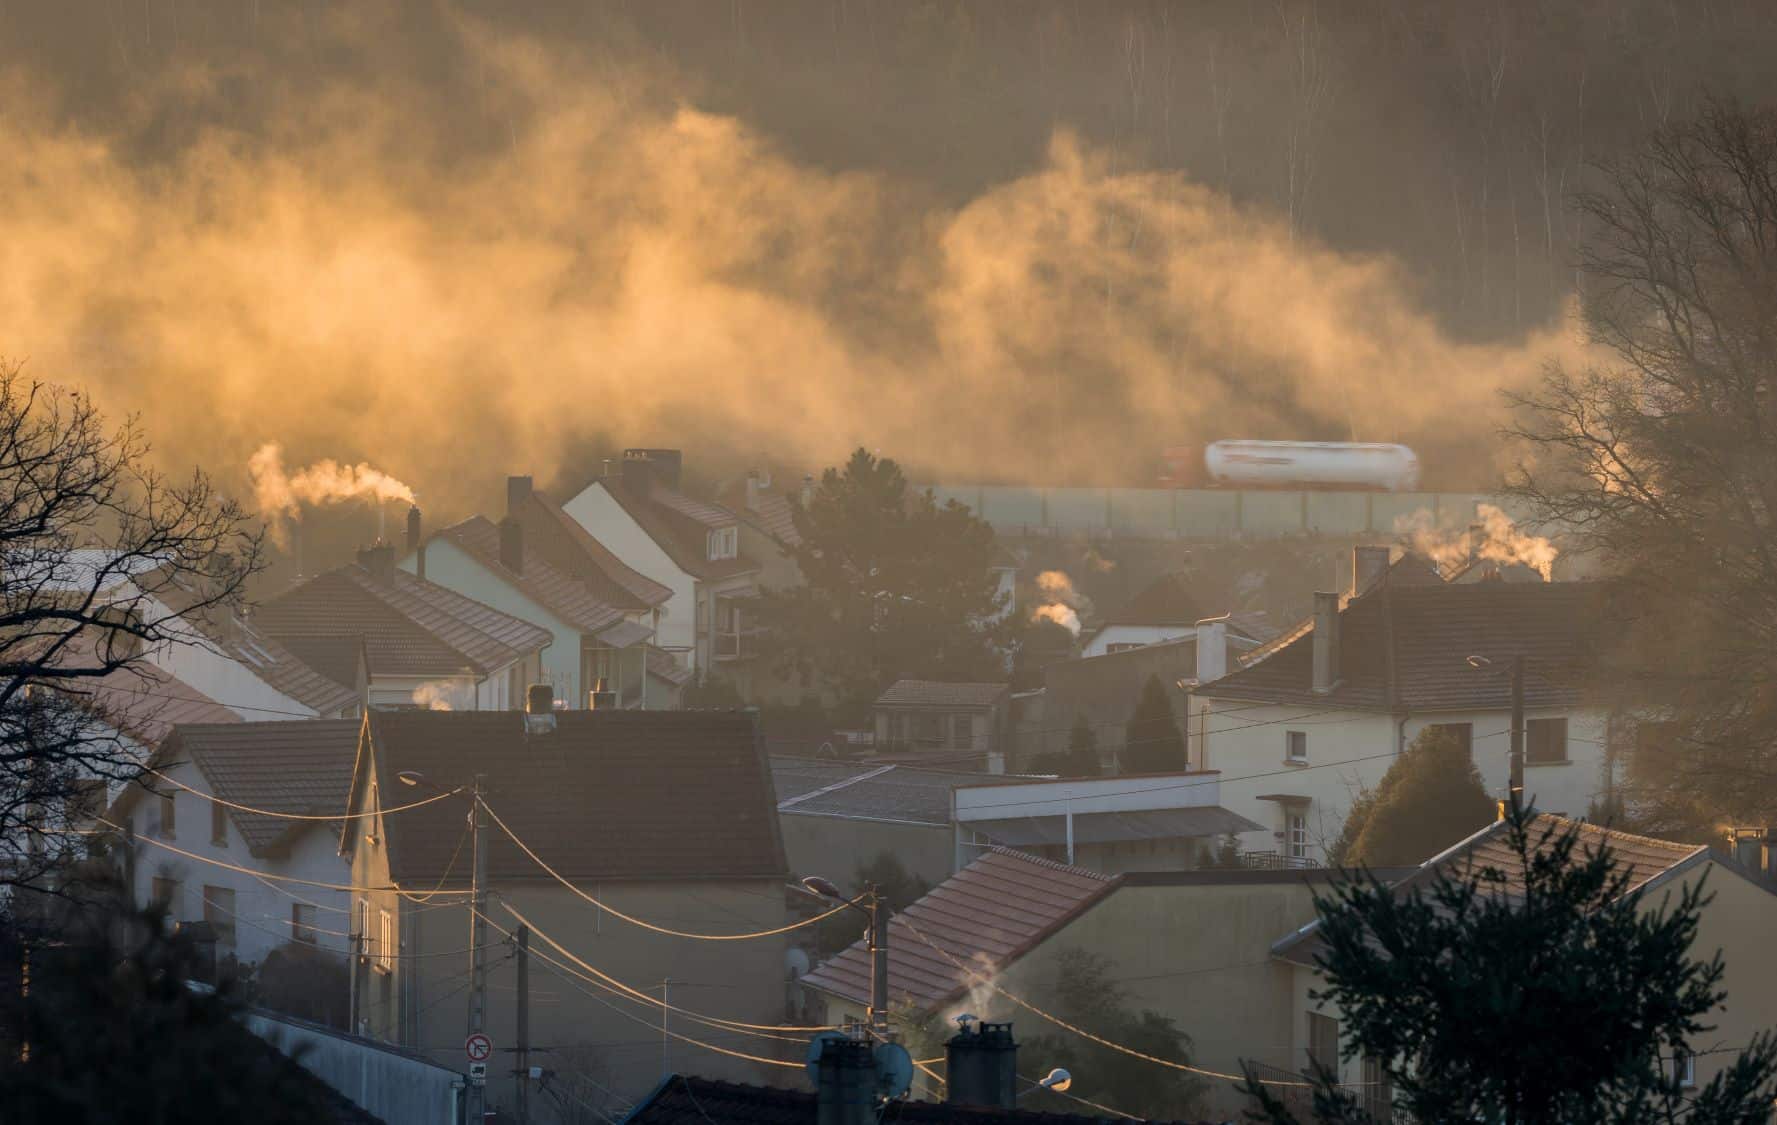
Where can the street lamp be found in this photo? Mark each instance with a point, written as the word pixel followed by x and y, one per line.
pixel 1515 779
pixel 1057 1080
pixel 879 916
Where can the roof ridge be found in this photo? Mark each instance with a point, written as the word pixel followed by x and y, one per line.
pixel 1039 861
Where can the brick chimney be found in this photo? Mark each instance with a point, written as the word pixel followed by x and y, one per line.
pixel 982 1066
pixel 512 545
pixel 845 1083
pixel 1326 642
pixel 379 560
pixel 518 490
pixel 1368 565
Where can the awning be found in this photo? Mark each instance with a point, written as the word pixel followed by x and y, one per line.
pixel 1286 798
pixel 1115 827
pixel 624 633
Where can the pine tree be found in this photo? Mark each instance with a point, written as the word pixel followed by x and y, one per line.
pixel 1430 798
pixel 1080 759
pixel 1152 741
pixel 1561 1001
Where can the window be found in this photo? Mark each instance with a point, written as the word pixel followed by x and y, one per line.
pixel 1296 832
pixel 219 913
pixel 219 824
pixel 166 893
pixel 724 543
pixel 1684 1068
pixel 962 731
pixel 1378 1091
pixel 385 941
pixel 302 922
pixel 1295 745
pixel 1121 646
pixel 1545 742
pixel 1463 733
pixel 1323 1041
pixel 363 927
pixel 169 816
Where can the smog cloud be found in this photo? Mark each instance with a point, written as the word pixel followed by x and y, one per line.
pixel 626 268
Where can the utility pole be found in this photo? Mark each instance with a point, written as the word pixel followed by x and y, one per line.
pixel 665 999
pixel 523 1037
pixel 478 825
pixel 1516 781
pixel 879 964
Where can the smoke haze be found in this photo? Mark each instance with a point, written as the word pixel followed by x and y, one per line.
pixel 328 269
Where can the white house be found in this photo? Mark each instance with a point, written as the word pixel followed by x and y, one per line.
pixel 1165 610
pixel 1322 713
pixel 691 547
pixel 181 847
pixel 539 565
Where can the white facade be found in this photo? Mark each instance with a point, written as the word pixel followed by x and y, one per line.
pixel 1117 638
pixel 265 914
pixel 1344 752
pixel 604 518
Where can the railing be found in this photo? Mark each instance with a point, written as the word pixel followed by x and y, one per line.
pixel 1276 860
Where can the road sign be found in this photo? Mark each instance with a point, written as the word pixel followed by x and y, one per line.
pixel 477 1073
pixel 478 1047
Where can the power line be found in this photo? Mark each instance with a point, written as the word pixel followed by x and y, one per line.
pixel 557 876
pixel 1082 1101
pixel 298 816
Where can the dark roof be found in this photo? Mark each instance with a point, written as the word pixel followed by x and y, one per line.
pixel 1424 635
pixel 273 663
pixel 985 916
pixel 934 693
pixel 301 767
pixel 607 796
pixel 563 594
pixel 680 526
pixel 1167 600
pixel 819 787
pixel 335 657
pixel 144 703
pixel 1644 858
pixel 410 626
pixel 664 665
pixel 558 537
pixel 688 1100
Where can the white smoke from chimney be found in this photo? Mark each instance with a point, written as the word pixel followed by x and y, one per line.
pixel 433 696
pixel 280 494
pixel 1494 539
pixel 1061 603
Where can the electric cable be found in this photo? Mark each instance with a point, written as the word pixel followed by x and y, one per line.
pixel 1082 1101
pixel 298 816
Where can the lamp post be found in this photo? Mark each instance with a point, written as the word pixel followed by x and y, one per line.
pixel 1515 779
pixel 878 914
pixel 1057 1080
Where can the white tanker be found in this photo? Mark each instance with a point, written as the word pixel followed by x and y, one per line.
pixel 1298 464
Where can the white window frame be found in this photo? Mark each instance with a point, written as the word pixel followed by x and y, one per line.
pixel 724 543
pixel 1684 1069
pixel 303 919
pixel 1291 740
pixel 1295 834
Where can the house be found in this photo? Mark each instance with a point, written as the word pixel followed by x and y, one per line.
pixel 1192 946
pixel 1737 913
pixel 1165 610
pixel 542 567
pixel 695 549
pixel 1322 713
pixel 970 721
pixel 184 849
pixel 617 840
pixel 422 644
pixel 1104 689
pixel 839 816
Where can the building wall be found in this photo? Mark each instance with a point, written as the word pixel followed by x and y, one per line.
pixel 455 569
pixel 195 661
pixel 261 908
pixel 835 847
pixel 1134 635
pixel 605 519
pixel 1349 751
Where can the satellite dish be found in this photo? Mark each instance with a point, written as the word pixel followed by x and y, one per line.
pixel 826 751
pixel 815 1047
pixel 796 962
pixel 894 1070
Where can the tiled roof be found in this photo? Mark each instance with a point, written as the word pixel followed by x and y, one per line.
pixel 559 537
pixel 608 795
pixel 681 536
pixel 410 626
pixel 560 593
pixel 817 787
pixel 302 767
pixel 776 513
pixel 144 703
pixel 933 693
pixel 687 1100
pixel 334 657
pixel 985 916
pixel 1167 600
pixel 1425 634
pixel 665 666
pixel 1643 857
pixel 274 664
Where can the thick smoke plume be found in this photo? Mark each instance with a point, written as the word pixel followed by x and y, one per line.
pixel 1496 538
pixel 1061 603
pixel 623 268
pixel 280 495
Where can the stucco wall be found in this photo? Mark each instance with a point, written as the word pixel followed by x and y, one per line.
pixel 1351 750
pixel 194 660
pixel 605 519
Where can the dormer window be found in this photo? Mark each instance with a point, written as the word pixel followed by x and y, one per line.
pixel 724 543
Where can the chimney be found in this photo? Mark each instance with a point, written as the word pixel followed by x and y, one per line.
pixel 807 489
pixel 379 560
pixel 640 466
pixel 413 529
pixel 982 1066
pixel 845 1083
pixel 512 545
pixel 1368 565
pixel 518 490
pixel 753 489
pixel 539 709
pixel 1326 642
pixel 1212 649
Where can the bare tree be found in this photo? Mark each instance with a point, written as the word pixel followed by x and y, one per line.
pixel 1665 461
pixel 104 564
